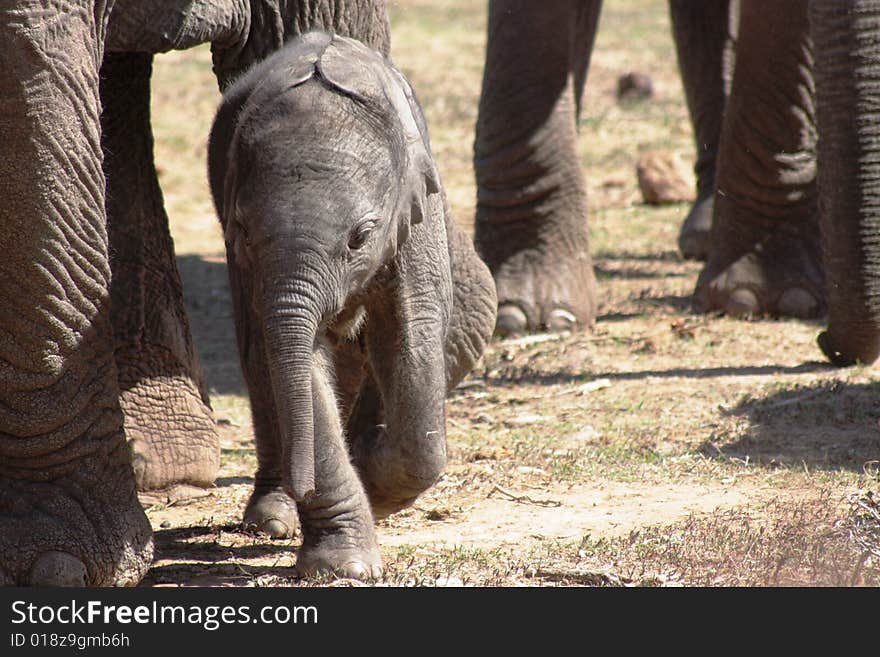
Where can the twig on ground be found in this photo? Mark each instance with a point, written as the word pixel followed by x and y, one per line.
pixel 522 499
pixel 799 398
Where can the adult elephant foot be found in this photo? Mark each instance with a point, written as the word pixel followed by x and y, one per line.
pixel 531 220
pixel 169 425
pixel 780 275
pixel 73 532
pixel 696 231
pixel 766 255
pixel 271 511
pixel 539 290
pixel 168 420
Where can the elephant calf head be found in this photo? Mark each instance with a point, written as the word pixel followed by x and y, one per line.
pixel 336 230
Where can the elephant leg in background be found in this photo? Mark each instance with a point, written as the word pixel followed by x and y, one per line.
pixel 273 22
pixel 168 419
pixel 704 33
pixel 765 255
pixel 69 512
pixel 531 220
pixel 849 158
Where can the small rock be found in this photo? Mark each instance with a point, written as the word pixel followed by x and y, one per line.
pixel 586 434
pixel 664 178
pixel 165 524
pixel 437 514
pixel 634 86
pixel 448 581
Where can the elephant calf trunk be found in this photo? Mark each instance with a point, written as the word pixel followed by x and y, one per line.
pixel 290 344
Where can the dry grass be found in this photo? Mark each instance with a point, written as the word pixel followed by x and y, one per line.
pixel 663 448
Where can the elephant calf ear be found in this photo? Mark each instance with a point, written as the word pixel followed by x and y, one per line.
pixel 422 177
pixel 370 76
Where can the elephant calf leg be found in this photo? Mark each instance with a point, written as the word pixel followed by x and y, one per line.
pixel 337 527
pixel 270 509
pixel 395 466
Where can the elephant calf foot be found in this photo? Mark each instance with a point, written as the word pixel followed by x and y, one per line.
pixel 343 546
pixel 544 292
pixel 694 237
pixel 781 276
pixel 271 511
pixel 60 534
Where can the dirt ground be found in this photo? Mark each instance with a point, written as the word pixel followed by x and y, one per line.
pixel 660 448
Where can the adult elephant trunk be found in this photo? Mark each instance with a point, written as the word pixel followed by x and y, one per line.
pixel 291 315
pixel 847 83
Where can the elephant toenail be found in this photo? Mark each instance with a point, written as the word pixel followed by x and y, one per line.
pixel 741 303
pixel 797 302
pixel 58 569
pixel 276 528
pixel 511 320
pixel 560 320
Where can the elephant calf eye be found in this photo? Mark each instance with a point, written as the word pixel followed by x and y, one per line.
pixel 358 237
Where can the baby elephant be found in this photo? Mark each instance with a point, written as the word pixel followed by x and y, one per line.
pixel 358 302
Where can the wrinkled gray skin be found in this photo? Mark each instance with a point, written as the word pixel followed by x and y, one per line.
pixel 705 37
pixel 783 240
pixel 342 258
pixel 531 221
pixel 795 225
pixel 83 361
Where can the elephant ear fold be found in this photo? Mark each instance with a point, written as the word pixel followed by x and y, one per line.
pixel 421 177
pixel 370 76
pixel 234 232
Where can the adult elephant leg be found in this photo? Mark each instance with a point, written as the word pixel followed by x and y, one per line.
pixel 847 82
pixel 69 512
pixel 765 255
pixel 168 418
pixel 704 33
pixel 531 221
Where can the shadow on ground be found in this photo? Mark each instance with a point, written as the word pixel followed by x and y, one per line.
pixel 209 308
pixel 829 426
pixel 198 561
pixel 533 377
